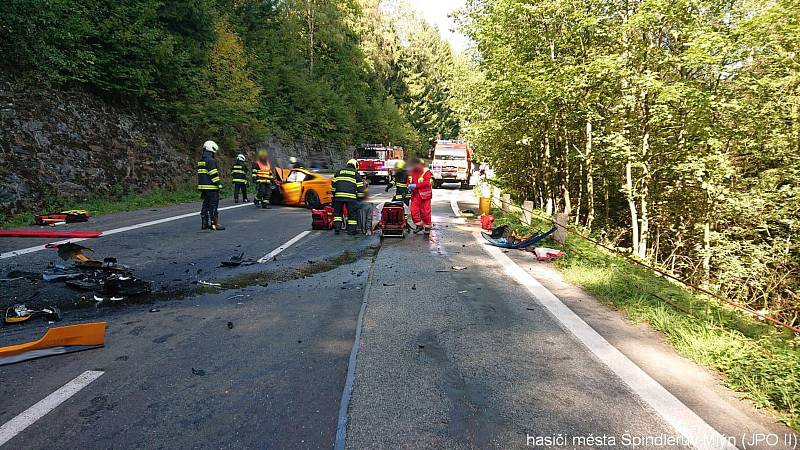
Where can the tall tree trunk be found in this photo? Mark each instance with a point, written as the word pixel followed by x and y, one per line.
pixel 547 185
pixel 589 176
pixel 632 207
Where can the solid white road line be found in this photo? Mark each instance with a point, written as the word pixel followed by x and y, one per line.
pixel 289 243
pixel 37 248
pixel 694 429
pixel 28 417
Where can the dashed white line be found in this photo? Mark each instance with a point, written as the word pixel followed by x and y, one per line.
pixel 28 417
pixel 277 251
pixel 37 248
pixel 696 431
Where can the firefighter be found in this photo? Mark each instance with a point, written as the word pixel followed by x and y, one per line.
pixel 348 187
pixel 209 184
pixel 296 163
pixel 239 178
pixel 400 183
pixel 264 179
pixel 421 195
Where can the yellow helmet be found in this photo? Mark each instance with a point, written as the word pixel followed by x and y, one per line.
pixel 353 163
pixel 263 153
pixel 400 165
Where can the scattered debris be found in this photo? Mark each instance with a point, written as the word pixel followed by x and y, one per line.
pixel 198 372
pixel 206 283
pixel 16 275
pixel 230 325
pixel 504 238
pixel 57 341
pixel 60 273
pixel 154 310
pixel 414 287
pixel 458 268
pixel 389 284
pixel 235 296
pixel 20 313
pixel 63 217
pixel 70 250
pixel 468 213
pixel 531 309
pixel 547 254
pixel 236 261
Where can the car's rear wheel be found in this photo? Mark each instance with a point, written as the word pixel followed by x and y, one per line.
pixel 312 200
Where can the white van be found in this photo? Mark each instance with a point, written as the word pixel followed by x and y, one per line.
pixel 452 163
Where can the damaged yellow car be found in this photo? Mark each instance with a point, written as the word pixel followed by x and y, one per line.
pixel 301 187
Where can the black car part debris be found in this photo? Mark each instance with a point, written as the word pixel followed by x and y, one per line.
pixel 21 313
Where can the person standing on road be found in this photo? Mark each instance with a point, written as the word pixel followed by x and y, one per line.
pixel 421 195
pixel 400 182
pixel 296 163
pixel 348 187
pixel 209 184
pixel 263 178
pixel 239 178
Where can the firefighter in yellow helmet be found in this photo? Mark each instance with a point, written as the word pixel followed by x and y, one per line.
pixel 209 184
pixel 348 187
pixel 264 179
pixel 400 183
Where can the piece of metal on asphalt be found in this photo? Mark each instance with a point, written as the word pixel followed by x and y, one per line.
pixel 677 415
pixel 347 392
pixel 28 417
pixel 151 223
pixel 269 256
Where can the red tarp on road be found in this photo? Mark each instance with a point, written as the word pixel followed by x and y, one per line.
pixel 86 234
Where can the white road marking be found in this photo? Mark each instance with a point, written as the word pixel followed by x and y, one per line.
pixel 289 243
pixel 696 431
pixel 28 417
pixel 37 248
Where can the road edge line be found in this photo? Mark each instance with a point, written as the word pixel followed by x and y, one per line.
pixel 28 417
pixel 268 257
pixel 347 391
pixel 113 231
pixel 675 413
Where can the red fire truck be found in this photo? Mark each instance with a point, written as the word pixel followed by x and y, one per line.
pixel 375 161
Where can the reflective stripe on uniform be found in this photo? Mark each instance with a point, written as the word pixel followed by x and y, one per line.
pixel 344 195
pixel 208 187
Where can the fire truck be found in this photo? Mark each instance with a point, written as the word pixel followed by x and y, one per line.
pixel 375 161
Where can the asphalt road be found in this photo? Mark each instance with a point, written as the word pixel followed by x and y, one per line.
pixel 446 358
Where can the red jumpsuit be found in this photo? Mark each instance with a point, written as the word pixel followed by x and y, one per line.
pixel 421 207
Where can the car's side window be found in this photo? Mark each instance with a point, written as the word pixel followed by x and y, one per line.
pixel 296 177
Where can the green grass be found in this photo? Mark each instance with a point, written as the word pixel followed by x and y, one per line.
pixel 100 206
pixel 756 359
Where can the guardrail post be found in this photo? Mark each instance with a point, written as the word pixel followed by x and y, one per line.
pixel 527 217
pixel 505 202
pixel 560 220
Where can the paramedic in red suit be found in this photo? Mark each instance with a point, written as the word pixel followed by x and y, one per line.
pixel 421 194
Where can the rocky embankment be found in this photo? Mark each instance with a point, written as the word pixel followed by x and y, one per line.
pixel 74 145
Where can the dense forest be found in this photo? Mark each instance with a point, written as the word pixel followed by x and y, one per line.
pixel 672 128
pixel 336 71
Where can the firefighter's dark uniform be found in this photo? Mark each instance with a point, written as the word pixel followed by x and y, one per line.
pixel 348 187
pixel 400 183
pixel 263 178
pixel 239 178
pixel 209 184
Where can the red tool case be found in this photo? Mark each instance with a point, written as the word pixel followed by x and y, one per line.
pixel 393 220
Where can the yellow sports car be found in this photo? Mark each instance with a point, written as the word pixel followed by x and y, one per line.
pixel 300 187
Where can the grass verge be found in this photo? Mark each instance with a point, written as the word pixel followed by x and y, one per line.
pixel 106 205
pixel 753 358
